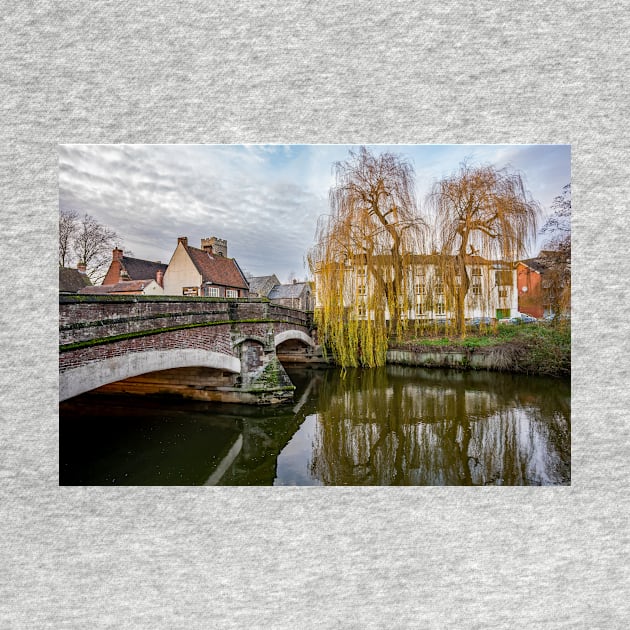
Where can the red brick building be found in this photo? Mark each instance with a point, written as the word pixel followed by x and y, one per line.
pixel 124 269
pixel 529 284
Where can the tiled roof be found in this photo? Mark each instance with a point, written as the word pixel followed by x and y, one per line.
pixel 536 264
pixel 258 283
pixel 71 280
pixel 138 269
pixel 293 290
pixel 120 287
pixel 217 269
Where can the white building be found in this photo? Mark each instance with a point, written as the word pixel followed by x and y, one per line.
pixel 205 271
pixel 492 292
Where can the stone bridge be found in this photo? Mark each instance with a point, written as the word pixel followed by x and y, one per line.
pixel 202 348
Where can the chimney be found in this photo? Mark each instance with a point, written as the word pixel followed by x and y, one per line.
pixel 159 277
pixel 117 254
pixel 214 245
pixel 183 240
pixel 81 268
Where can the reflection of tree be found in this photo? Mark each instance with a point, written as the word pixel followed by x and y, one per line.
pixel 386 426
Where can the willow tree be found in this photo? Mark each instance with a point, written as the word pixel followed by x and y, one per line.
pixel 362 256
pixel 480 212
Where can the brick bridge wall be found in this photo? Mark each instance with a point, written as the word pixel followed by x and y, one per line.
pixel 83 318
pixel 95 329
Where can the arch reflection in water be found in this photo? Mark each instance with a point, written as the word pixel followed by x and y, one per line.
pixel 386 426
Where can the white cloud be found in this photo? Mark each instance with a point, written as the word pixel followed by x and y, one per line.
pixel 264 199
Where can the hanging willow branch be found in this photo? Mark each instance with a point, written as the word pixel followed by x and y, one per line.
pixel 481 214
pixel 363 252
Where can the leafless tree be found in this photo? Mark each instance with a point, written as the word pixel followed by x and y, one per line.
pixel 557 255
pixel 93 243
pixel 558 225
pixel 67 230
pixel 480 211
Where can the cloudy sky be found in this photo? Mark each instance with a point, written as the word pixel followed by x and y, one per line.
pixel 264 199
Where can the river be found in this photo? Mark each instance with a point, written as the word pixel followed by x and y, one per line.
pixel 387 426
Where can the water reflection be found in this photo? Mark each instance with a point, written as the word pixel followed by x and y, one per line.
pixel 406 426
pixel 388 426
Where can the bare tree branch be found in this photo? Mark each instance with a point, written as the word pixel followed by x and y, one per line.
pixel 486 211
pixel 374 226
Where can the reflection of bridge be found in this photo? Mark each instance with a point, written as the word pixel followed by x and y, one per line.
pixel 202 348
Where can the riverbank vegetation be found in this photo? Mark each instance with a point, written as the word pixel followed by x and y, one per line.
pixel 542 348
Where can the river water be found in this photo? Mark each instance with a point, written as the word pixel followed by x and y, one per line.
pixel 387 426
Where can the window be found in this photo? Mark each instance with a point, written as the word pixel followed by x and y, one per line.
pixel 476 271
pixel 213 291
pixel 420 288
pixel 361 289
pixel 503 293
pixel 231 293
pixel 439 308
pixel 503 277
pixel 476 284
pixel 420 308
pixel 361 310
pixel 439 287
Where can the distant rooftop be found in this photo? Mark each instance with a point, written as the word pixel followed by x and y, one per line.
pixel 71 280
pixel 124 286
pixel 141 269
pixel 293 290
pixel 258 284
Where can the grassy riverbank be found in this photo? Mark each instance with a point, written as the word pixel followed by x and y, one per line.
pixel 530 348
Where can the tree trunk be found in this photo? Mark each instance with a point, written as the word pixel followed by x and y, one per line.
pixel 462 289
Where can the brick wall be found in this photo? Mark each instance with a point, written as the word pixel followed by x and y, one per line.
pixel 89 318
pixel 215 338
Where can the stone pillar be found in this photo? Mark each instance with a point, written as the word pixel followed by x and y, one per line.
pixel 263 378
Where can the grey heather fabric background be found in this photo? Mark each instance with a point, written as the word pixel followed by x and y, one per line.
pixel 432 72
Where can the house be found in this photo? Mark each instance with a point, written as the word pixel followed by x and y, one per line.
pixel 124 271
pixel 529 285
pixel 544 284
pixel 125 287
pixel 492 292
pixel 73 280
pixel 260 286
pixel 298 295
pixel 206 272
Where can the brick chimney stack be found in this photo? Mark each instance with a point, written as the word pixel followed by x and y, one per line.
pixel 183 240
pixel 81 268
pixel 117 254
pixel 159 277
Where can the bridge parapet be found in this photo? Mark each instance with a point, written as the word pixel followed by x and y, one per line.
pixel 101 338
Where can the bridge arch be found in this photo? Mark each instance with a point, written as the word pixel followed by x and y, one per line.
pixel 297 335
pixel 241 340
pixel 97 373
